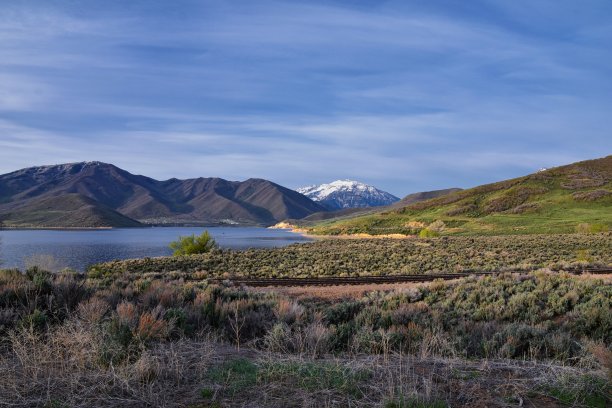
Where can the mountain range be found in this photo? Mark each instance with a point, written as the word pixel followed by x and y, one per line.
pixel 342 194
pixel 95 194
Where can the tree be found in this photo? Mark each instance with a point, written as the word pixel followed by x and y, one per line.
pixel 191 244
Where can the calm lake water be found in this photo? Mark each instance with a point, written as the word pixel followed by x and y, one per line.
pixel 78 249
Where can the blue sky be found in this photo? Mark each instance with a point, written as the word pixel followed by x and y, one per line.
pixel 405 95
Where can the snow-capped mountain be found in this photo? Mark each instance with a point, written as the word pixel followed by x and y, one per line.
pixel 347 194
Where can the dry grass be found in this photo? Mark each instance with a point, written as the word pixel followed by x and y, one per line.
pixel 606 278
pixel 376 381
pixel 334 292
pixel 63 369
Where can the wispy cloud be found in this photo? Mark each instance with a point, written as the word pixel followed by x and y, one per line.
pixel 405 95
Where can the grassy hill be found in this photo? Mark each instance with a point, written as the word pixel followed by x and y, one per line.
pixel 423 195
pixel 576 197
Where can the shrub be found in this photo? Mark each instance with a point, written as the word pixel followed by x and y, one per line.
pixel 289 311
pixel 191 245
pixel 37 320
pixel 343 312
pixel 428 233
pixel 590 195
pixel 178 320
pixel 585 228
pixel 68 291
pixel 93 310
pixel 437 226
pixel 151 326
pixel 278 339
pixel 372 257
pixel 40 277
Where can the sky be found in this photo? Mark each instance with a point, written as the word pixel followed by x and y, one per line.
pixel 405 95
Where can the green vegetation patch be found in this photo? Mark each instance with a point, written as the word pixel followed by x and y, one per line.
pixel 238 374
pixel 319 376
pixel 412 402
pixel 235 375
pixel 580 390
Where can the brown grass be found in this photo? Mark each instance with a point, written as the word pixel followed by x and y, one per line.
pixel 145 343
pixel 340 291
pixel 451 382
pixel 64 369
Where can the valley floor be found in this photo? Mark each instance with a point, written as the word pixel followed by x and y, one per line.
pixel 160 333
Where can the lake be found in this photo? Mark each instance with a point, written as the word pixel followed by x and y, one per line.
pixel 79 248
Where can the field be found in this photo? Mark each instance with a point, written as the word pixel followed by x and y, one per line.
pixel 334 257
pixel 541 339
pixel 155 332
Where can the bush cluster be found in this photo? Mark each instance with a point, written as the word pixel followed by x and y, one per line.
pixel 542 315
pixel 335 257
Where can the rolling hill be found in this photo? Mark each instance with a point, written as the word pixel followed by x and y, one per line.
pixel 557 200
pixel 423 195
pixel 94 194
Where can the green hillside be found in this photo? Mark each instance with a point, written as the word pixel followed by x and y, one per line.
pixel 576 197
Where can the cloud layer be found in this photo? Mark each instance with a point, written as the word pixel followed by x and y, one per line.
pixel 402 95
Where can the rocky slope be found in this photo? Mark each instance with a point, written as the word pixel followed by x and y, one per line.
pixel 342 194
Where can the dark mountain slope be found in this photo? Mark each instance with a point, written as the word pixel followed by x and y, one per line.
pixel 282 202
pixel 193 201
pixel 66 211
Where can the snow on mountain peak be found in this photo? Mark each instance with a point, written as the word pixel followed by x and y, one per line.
pixel 347 194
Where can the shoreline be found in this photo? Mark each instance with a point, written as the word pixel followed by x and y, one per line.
pixel 362 236
pixel 144 226
pixel 304 232
pixel 58 228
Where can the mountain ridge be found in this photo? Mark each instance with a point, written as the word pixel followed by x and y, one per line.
pixel 344 194
pixel 121 198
